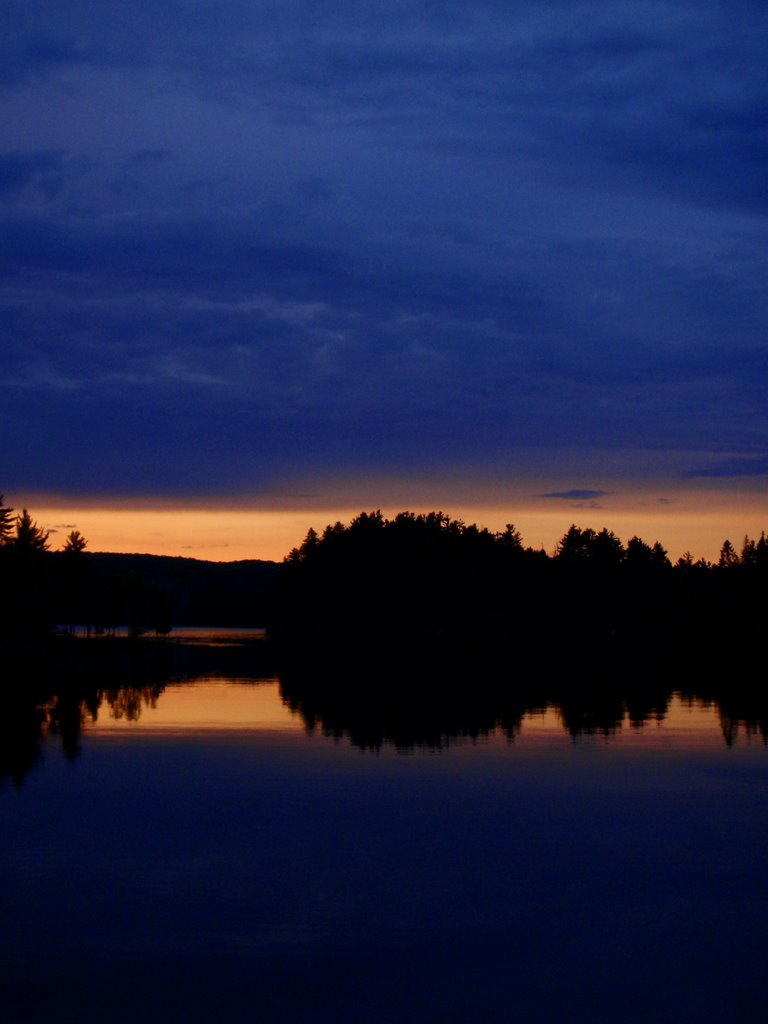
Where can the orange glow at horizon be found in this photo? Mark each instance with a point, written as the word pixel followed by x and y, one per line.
pixel 699 523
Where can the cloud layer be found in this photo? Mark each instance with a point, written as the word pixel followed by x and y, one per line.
pixel 248 242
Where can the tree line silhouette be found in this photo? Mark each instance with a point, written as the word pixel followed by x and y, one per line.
pixel 42 590
pixel 436 583
pixel 416 630
pixel 421 629
pixel 424 581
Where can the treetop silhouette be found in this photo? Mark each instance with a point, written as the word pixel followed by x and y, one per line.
pixel 29 535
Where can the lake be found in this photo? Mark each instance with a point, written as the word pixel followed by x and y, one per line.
pixel 195 848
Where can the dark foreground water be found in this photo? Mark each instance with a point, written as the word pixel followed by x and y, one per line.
pixel 208 859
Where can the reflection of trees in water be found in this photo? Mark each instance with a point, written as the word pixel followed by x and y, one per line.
pixel 405 720
pixel 451 700
pixel 375 696
pixel 21 726
pixel 606 708
pixel 397 718
pixel 750 727
pixel 28 718
pixel 400 721
pixel 129 701
pixel 741 703
pixel 375 699
pixel 60 694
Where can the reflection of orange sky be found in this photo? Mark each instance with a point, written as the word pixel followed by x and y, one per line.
pixel 697 520
pixel 216 705
pixel 210 705
pixel 683 724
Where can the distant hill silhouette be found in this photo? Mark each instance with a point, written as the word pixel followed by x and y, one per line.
pixel 197 592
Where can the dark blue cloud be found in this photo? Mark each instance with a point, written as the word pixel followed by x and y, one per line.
pixel 19 171
pixel 576 494
pixel 735 467
pixel 248 240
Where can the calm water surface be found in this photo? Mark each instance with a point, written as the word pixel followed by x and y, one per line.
pixel 206 857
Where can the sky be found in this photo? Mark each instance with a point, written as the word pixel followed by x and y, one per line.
pixel 265 265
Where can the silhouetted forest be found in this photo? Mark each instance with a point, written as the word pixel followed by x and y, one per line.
pixel 420 628
pixel 420 584
pixel 412 631
pixel 42 589
pixel 433 583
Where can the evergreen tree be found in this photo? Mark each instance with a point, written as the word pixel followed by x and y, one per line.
pixel 6 522
pixel 27 616
pixel 510 537
pixel 73 583
pixel 75 543
pixel 29 536
pixel 728 557
pixel 575 544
